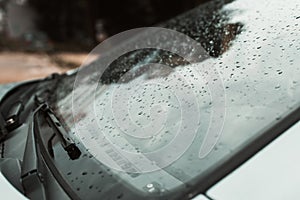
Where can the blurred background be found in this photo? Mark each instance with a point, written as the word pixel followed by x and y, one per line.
pixel 39 37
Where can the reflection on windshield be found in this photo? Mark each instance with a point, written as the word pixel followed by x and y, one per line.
pixel 255 47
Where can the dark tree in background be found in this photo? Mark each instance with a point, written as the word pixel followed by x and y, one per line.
pixel 82 20
pixel 62 20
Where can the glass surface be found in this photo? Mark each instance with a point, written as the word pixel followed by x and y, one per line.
pixel 255 47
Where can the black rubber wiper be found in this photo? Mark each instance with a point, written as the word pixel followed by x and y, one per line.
pixel 32 170
pixel 68 144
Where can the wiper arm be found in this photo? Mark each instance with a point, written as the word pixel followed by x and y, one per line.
pixel 68 144
pixel 31 176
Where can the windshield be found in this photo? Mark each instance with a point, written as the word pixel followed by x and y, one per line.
pixel 254 47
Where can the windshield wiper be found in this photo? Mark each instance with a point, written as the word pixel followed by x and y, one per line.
pixel 66 141
pixel 31 176
pixel 32 170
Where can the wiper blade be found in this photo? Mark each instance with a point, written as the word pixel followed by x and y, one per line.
pixel 68 144
pixel 32 173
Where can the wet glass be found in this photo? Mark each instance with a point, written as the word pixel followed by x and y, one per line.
pixel 254 45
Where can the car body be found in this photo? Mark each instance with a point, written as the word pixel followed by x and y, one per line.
pixel 51 142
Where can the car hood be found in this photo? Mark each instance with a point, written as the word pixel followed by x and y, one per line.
pixel 5 187
pixel 4 88
pixel 8 191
